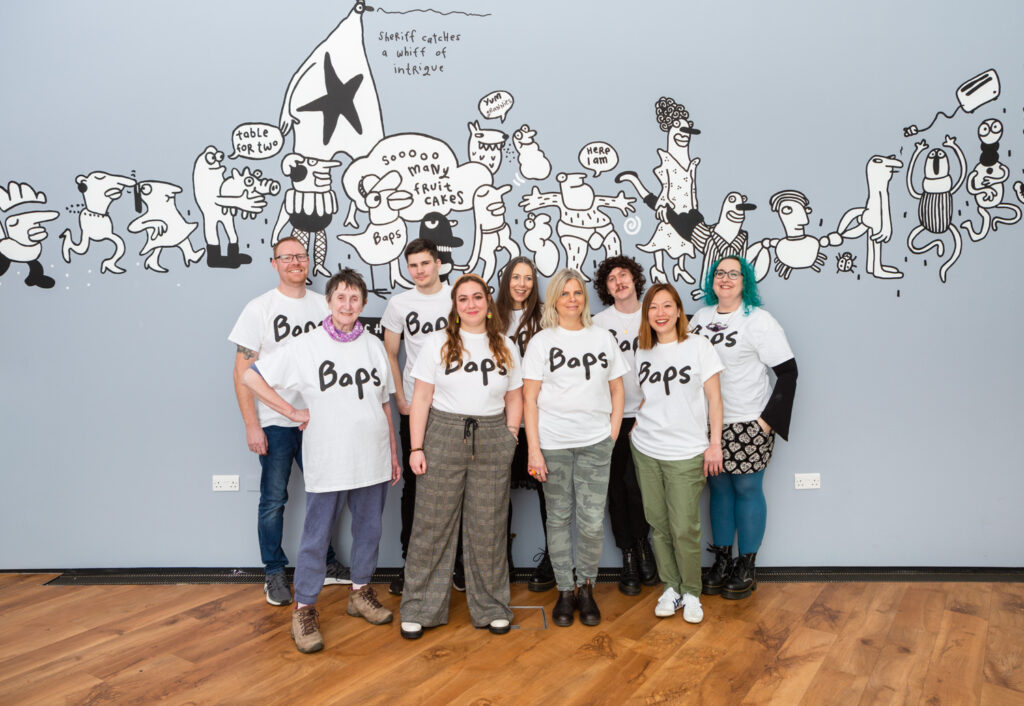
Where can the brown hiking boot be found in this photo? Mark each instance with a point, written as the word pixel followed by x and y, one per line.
pixel 363 603
pixel 306 629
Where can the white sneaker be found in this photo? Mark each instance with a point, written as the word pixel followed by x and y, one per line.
pixel 668 604
pixel 692 610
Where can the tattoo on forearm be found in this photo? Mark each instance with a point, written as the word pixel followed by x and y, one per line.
pixel 247 353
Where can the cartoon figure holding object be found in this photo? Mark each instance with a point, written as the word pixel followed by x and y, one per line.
pixel 581 223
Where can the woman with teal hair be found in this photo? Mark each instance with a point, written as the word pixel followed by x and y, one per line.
pixel 749 342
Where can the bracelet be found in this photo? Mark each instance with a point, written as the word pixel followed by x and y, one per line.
pixel 412 451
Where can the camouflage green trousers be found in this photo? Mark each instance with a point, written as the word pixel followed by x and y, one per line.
pixel 577 487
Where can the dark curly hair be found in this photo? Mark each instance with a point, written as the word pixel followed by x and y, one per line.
pixel 667 111
pixel 605 268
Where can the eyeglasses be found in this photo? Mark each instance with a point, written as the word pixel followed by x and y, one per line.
pixel 289 259
pixel 731 274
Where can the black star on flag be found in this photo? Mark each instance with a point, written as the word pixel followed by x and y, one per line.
pixel 339 100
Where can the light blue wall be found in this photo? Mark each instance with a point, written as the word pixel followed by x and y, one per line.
pixel 118 404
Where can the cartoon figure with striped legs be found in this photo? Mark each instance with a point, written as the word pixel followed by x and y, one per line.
pixel 935 207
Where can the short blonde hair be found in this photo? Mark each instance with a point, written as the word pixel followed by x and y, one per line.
pixel 549 319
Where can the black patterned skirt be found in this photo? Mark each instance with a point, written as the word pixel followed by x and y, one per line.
pixel 746 448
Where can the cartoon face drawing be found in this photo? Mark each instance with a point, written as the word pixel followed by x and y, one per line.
pixel 485 146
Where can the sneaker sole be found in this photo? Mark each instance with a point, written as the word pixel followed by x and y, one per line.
pixel 409 635
pixel 272 602
pixel 664 615
pixel 694 622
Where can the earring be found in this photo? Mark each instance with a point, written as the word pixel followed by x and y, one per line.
pixel 456 318
pixel 488 314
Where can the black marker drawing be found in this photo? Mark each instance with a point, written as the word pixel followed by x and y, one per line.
pixel 533 164
pixel 384 240
pixel 985 183
pixel 727 237
pixel 537 240
pixel 971 95
pixel 935 207
pixel 331 101
pixel 581 223
pixel 845 262
pixel 221 198
pixel 676 203
pixel 163 224
pixel 99 190
pixel 309 205
pixel 796 250
pixel 22 234
pixel 437 228
pixel 485 146
pixel 874 219
pixel 490 232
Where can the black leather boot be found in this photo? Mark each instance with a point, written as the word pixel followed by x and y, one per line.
pixel 565 606
pixel 718 573
pixel 589 613
pixel 543 577
pixel 648 567
pixel 743 578
pixel 629 577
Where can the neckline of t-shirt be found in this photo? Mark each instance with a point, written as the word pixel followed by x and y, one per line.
pixel 569 332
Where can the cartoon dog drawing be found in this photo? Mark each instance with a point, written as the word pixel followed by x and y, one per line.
pixel 99 190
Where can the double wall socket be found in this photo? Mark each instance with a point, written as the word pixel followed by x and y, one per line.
pixel 807 481
pixel 225 483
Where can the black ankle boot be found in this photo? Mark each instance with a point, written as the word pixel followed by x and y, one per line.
pixel 589 613
pixel 743 578
pixel 629 577
pixel 543 578
pixel 718 573
pixel 648 568
pixel 565 606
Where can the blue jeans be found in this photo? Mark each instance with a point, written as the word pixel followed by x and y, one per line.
pixel 284 444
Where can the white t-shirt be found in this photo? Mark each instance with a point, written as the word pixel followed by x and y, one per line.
pixel 478 386
pixel 748 345
pixel 574 368
pixel 273 320
pixel 414 316
pixel 673 423
pixel 346 444
pixel 625 328
pixel 514 317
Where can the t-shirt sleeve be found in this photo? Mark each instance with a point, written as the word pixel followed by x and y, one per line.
pixel 388 388
pixel 280 369
pixel 392 318
pixel 425 368
pixel 771 343
pixel 710 363
pixel 246 332
pixel 618 365
pixel 515 375
pixel 533 361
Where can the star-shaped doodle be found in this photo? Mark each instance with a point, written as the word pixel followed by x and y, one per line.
pixel 339 100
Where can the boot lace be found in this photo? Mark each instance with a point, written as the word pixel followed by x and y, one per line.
pixel 309 621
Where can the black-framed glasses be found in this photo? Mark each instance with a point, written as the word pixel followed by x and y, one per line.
pixel 289 259
pixel 731 274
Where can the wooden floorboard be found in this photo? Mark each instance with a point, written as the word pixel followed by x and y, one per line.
pixel 795 643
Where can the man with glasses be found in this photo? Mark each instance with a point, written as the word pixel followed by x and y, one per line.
pixel 268 322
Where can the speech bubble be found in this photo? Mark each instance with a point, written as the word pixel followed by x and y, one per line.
pixel 256 141
pixel 599 157
pixel 496 105
pixel 429 169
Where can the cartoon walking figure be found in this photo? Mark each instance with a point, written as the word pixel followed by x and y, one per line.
pixel 935 207
pixel 99 190
pixel 676 204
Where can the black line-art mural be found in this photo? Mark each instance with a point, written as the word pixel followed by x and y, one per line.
pixel 985 183
pixel 533 164
pixel 727 237
pixel 22 234
pixel 675 205
pixel 935 200
pixel 383 242
pixel 220 198
pixel 796 250
pixel 99 190
pixel 163 224
pixel 537 239
pixel 970 95
pixel 309 205
pixel 485 146
pixel 490 231
pixel 438 228
pixel 874 219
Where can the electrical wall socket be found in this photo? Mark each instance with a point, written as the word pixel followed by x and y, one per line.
pixel 223 483
pixel 807 481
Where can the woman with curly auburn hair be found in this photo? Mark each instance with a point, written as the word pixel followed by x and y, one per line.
pixel 573 399
pixel 750 342
pixel 464 423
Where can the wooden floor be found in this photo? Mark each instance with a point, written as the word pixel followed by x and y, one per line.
pixel 797 643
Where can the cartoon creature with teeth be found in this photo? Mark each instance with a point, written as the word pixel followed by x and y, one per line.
pixel 491 233
pixel 581 223
pixel 485 146
pixel 383 242
pixel 99 190
pixel 725 238
pixel 22 234
pixel 163 225
pixel 437 228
